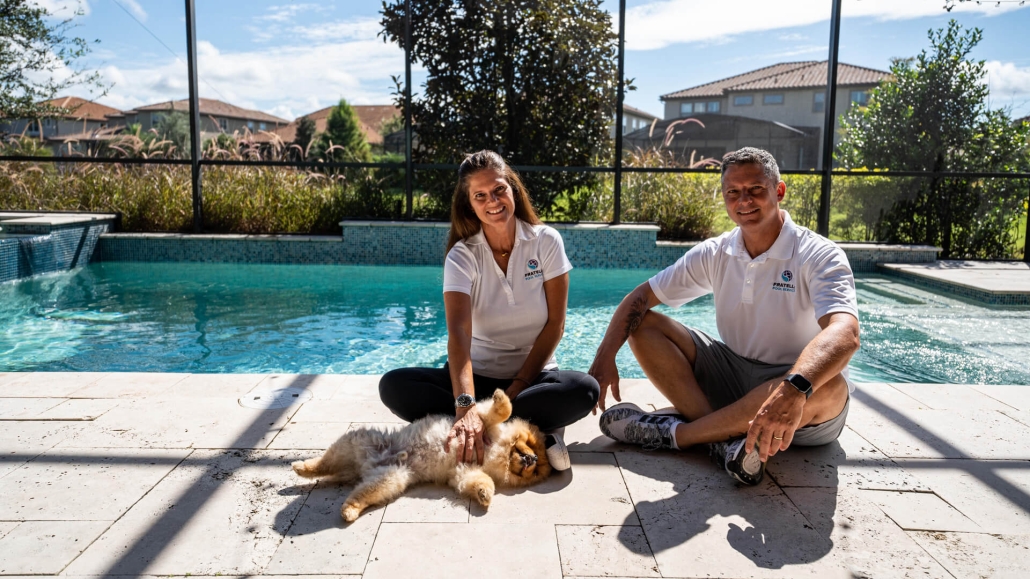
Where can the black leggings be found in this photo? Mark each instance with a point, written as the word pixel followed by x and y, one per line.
pixel 556 398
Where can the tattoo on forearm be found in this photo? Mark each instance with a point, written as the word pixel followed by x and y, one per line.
pixel 637 310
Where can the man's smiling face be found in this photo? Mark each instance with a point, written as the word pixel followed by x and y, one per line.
pixel 751 197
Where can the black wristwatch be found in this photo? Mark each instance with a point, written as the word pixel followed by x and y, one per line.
pixel 464 401
pixel 801 383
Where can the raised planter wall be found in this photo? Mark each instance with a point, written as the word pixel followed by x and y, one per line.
pixel 591 246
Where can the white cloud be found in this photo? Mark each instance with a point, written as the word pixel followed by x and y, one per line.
pixel 1009 84
pixel 134 7
pixel 64 8
pixel 664 22
pixel 287 82
pixel 287 13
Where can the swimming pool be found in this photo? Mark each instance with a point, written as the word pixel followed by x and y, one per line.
pixel 207 318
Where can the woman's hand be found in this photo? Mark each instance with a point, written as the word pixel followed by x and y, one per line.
pixel 468 435
pixel 515 388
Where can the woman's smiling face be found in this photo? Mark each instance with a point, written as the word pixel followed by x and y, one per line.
pixel 491 197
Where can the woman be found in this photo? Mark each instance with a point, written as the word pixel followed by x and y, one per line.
pixel 506 286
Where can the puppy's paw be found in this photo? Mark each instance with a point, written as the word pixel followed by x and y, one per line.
pixel 484 495
pixel 300 467
pixel 350 512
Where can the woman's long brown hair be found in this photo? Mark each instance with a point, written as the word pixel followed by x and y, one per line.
pixel 464 223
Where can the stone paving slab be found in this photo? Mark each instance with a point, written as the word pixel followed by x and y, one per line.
pixel 952 397
pixel 850 461
pixel 83 485
pixel 900 426
pixel 46 547
pixel 1013 276
pixel 700 524
pixel 182 423
pixel 129 385
pixel 993 494
pixel 319 540
pixel 131 489
pixel 921 511
pixel 219 512
pixel 592 492
pixel 863 539
pixel 45 384
pixel 603 551
pixel 1017 397
pixel 431 550
pixel 978 555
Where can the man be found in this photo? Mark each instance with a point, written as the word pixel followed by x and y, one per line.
pixel 786 310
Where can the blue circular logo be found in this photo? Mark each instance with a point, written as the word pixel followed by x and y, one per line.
pixel 786 275
pixel 532 264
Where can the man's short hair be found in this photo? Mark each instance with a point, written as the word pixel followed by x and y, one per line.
pixel 749 155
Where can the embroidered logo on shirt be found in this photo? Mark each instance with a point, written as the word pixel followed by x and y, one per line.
pixel 786 286
pixel 534 270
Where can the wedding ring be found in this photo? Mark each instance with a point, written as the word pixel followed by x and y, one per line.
pixel 777 438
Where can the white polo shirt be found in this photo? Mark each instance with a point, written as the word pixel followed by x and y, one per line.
pixel 766 308
pixel 508 311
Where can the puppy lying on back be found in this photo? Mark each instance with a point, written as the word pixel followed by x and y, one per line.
pixel 384 464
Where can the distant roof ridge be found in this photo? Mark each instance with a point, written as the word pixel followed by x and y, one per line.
pixel 779 74
pixel 799 64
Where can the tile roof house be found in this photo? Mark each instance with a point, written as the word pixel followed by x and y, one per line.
pixel 83 116
pixel 791 94
pixel 215 117
pixel 371 118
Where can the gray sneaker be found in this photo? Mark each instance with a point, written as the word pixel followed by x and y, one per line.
pixel 627 423
pixel 743 467
pixel 615 414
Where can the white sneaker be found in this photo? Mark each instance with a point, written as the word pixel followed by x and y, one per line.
pixel 557 452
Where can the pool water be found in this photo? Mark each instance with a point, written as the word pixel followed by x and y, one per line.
pixel 207 318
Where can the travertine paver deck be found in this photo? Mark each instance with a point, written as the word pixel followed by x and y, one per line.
pixel 991 277
pixel 162 474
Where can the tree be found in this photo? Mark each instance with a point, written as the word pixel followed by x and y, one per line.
pixel 32 49
pixel 305 134
pixel 343 139
pixel 534 80
pixel 933 116
pixel 174 127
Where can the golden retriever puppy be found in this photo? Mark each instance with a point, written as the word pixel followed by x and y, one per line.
pixel 384 464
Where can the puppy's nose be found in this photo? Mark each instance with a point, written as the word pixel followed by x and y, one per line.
pixel 528 459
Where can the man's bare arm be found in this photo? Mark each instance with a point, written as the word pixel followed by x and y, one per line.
pixel 627 318
pixel 824 358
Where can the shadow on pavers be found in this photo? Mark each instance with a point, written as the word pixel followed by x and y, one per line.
pixel 764 526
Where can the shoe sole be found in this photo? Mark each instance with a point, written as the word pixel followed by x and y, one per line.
pixel 750 470
pixel 558 454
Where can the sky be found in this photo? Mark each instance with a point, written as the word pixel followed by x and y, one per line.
pixel 289 58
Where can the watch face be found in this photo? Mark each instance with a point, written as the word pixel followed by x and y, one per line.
pixel 464 401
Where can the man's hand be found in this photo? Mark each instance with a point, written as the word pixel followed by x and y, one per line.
pixel 606 372
pixel 773 428
pixel 467 433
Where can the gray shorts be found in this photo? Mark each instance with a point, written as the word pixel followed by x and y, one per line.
pixel 725 377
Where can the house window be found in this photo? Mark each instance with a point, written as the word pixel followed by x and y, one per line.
pixel 713 107
pixel 262 126
pixel 743 100
pixel 772 99
pixel 250 125
pixel 859 97
pixel 686 108
pixel 819 102
pixel 223 124
pixel 156 118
